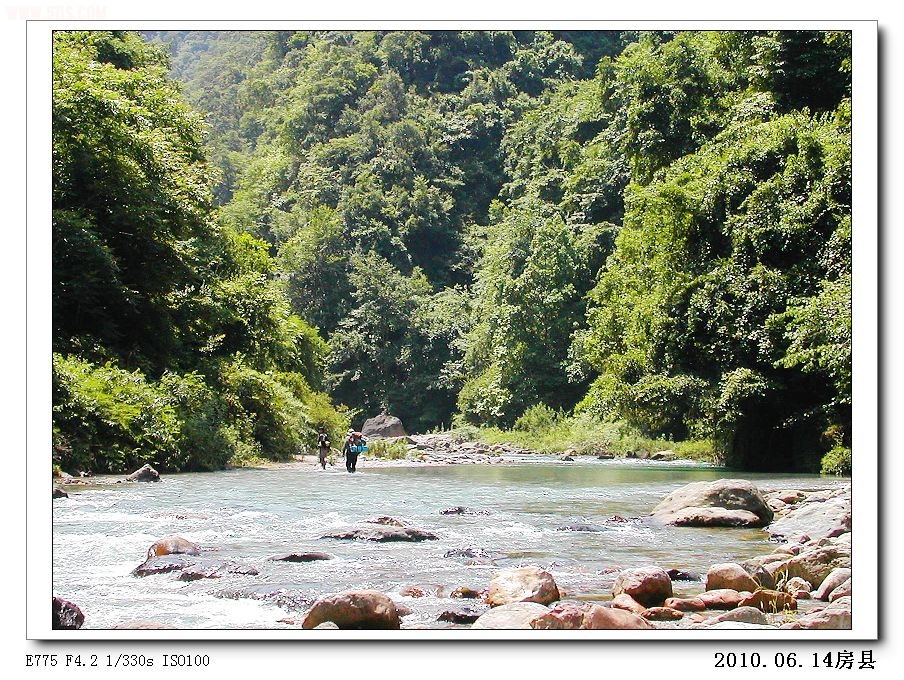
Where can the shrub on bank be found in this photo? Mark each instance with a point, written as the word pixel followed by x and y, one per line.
pixel 837 461
pixel 387 450
pixel 546 431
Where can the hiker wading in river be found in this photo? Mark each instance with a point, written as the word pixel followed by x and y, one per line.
pixel 354 445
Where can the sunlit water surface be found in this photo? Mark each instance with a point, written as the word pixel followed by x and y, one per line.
pixel 101 534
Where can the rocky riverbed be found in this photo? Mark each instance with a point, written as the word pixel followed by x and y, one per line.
pixel 804 582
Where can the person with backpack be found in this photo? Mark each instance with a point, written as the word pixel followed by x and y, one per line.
pixel 354 445
pixel 323 447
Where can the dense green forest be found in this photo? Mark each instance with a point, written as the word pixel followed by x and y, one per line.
pixel 259 233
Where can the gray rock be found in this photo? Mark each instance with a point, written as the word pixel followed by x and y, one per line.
pixel 463 615
pixel 820 516
pixel 144 474
pixel 162 564
pixel 724 502
pixel 383 534
pixel 524 584
pixel 383 427
pixel 302 557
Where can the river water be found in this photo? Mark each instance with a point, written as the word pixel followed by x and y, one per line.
pixel 246 516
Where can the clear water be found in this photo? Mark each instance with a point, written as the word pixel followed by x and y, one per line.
pixel 101 534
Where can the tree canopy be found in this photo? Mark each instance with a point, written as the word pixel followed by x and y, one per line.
pixel 648 227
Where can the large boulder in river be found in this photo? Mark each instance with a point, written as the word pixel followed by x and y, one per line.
pixel 355 609
pixel 650 586
pixel 173 545
pixel 66 615
pixel 383 427
pixel 144 474
pixel 525 584
pixel 723 502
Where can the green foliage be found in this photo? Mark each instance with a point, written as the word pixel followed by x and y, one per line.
pixel 836 462
pixel 130 196
pixel 537 418
pixel 386 450
pixel 390 350
pixel 109 420
pixel 585 434
pixel 723 270
pixel 529 302
pixel 650 228
pixel 269 408
pixel 174 343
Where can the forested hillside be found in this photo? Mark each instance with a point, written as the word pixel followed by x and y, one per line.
pixel 173 342
pixel 481 227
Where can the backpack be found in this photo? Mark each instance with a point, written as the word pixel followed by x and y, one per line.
pixel 323 441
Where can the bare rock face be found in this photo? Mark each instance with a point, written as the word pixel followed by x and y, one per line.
pixel 650 586
pixel 354 609
pixel 383 427
pixel 724 502
pixel 525 584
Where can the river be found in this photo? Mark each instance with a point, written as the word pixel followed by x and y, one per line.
pixel 101 533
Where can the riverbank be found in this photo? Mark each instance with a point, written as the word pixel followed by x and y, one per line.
pixel 458 449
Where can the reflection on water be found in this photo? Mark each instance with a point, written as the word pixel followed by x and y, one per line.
pixel 250 516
